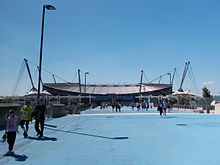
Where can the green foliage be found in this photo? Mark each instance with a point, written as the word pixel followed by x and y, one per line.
pixel 182 101
pixel 7 100
pixel 206 93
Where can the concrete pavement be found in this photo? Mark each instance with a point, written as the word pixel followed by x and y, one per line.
pixel 103 137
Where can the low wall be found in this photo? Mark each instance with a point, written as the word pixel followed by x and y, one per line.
pixel 56 110
pixel 73 109
pixel 4 108
pixel 217 108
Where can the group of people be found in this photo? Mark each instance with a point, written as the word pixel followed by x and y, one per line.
pixel 117 107
pixel 26 115
pixel 144 105
pixel 162 107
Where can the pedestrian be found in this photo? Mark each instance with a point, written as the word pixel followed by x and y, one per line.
pixel 164 107
pixel 160 108
pixel 132 105
pixel 143 106
pixel 25 117
pixel 40 111
pixel 119 107
pixel 138 106
pixel 11 129
pixel 168 106
pixel 147 104
pixel 116 107
pixel 113 107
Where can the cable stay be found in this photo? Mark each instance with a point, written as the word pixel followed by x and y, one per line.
pixel 35 76
pixel 19 79
pixel 74 77
pixel 50 72
pixel 41 81
pixel 174 72
pixel 72 80
pixel 193 79
pixel 146 77
pixel 161 76
pixel 177 79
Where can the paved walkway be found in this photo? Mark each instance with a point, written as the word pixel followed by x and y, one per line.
pixel 101 137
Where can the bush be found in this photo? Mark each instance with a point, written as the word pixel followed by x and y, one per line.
pixel 7 100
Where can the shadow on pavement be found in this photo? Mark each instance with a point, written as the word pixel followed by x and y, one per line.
pixel 49 125
pixel 98 136
pixel 17 157
pixel 44 138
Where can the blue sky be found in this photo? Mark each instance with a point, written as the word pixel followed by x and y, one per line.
pixel 113 40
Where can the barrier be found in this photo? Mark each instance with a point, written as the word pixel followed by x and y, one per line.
pixel 217 108
pixel 56 110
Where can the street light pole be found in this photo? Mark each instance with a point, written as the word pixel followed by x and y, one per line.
pixel 85 82
pixel 49 7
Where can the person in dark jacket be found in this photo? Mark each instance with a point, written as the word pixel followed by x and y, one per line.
pixel 160 108
pixel 40 115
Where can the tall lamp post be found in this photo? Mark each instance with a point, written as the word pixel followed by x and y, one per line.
pixel 48 7
pixel 85 82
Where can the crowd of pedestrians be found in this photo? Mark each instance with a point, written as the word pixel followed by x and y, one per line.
pixel 163 106
pixel 26 115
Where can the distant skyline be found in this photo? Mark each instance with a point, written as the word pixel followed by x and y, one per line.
pixel 112 40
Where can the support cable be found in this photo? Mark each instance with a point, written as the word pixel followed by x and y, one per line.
pixel 146 77
pixel 49 72
pixel 19 79
pixel 74 77
pixel 194 80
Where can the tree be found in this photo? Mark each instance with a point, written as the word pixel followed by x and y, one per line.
pixel 206 93
pixel 7 100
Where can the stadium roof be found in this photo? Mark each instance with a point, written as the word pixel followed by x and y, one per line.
pixel 105 89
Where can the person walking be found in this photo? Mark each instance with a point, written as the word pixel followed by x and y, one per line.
pixel 40 115
pixel 113 107
pixel 119 107
pixel 168 106
pixel 138 106
pixel 147 104
pixel 11 129
pixel 116 107
pixel 132 105
pixel 164 107
pixel 143 106
pixel 25 117
pixel 160 108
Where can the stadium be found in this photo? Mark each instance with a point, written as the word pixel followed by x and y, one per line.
pixel 108 92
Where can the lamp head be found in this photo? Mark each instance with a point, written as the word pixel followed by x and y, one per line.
pixel 49 7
